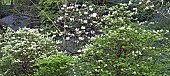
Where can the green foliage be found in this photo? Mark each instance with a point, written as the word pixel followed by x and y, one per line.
pixel 20 49
pixel 125 46
pixel 55 65
pixel 127 51
pixel 49 8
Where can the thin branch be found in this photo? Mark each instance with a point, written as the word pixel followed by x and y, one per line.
pixel 46 15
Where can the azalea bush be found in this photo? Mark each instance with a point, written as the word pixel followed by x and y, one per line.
pixel 20 49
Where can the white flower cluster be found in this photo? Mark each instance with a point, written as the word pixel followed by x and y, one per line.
pixel 77 17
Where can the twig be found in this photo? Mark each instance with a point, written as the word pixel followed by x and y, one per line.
pixel 46 15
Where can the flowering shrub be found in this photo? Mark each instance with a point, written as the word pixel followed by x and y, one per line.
pixel 126 51
pixel 75 22
pixel 21 48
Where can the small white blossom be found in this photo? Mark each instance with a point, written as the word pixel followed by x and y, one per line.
pixel 66 14
pixel 78 50
pixel 135 9
pixel 91 9
pixel 60 18
pixel 76 5
pixel 67 38
pixel 129 3
pixel 83 27
pixel 71 7
pixel 84 5
pixel 65 25
pixel 85 13
pixel 64 5
pixel 85 21
pixel 79 32
pixel 122 28
pixel 147 8
pixel 77 29
pixel 152 6
pixel 92 32
pixel 148 1
pixel 62 8
pixel 77 9
pixel 86 32
pixel 94 15
pixel 149 58
pixel 140 2
pixel 81 38
pixel 71 19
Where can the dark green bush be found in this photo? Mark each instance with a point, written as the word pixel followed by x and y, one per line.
pixel 55 65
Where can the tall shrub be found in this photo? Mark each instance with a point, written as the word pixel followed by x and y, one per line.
pixel 126 51
pixel 20 49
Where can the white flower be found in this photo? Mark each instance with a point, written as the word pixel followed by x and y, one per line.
pixel 92 32
pixel 77 9
pixel 85 21
pixel 79 32
pixel 71 7
pixel 134 72
pixel 60 34
pixel 99 60
pixel 129 28
pixel 71 19
pixel 129 3
pixel 91 9
pixel 94 15
pixel 114 12
pixel 81 38
pixel 140 53
pixel 122 28
pixel 147 8
pixel 76 5
pixel 135 9
pixel 161 30
pixel 66 13
pixel 152 6
pixel 65 25
pixel 85 13
pixel 77 29
pixel 149 58
pixel 78 50
pixel 64 5
pixel 140 2
pixel 67 38
pixel 84 5
pixel 86 32
pixel 133 52
pixel 83 27
pixel 148 1
pixel 62 8
pixel 60 18
pixel 167 31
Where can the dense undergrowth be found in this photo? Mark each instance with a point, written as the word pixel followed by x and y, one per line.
pixel 91 38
